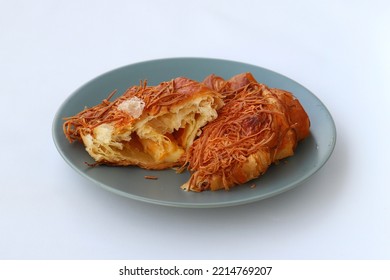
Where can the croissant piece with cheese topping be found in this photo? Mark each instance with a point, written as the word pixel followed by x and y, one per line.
pixel 256 127
pixel 148 126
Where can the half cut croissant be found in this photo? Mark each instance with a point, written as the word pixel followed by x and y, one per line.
pixel 256 127
pixel 148 126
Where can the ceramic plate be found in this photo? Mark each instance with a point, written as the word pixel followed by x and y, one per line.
pixel 310 156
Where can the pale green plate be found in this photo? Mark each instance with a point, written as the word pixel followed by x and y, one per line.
pixel 311 154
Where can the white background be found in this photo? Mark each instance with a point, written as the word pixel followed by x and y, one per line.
pixel 340 50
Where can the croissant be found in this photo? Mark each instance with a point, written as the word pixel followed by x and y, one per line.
pixel 148 126
pixel 256 127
